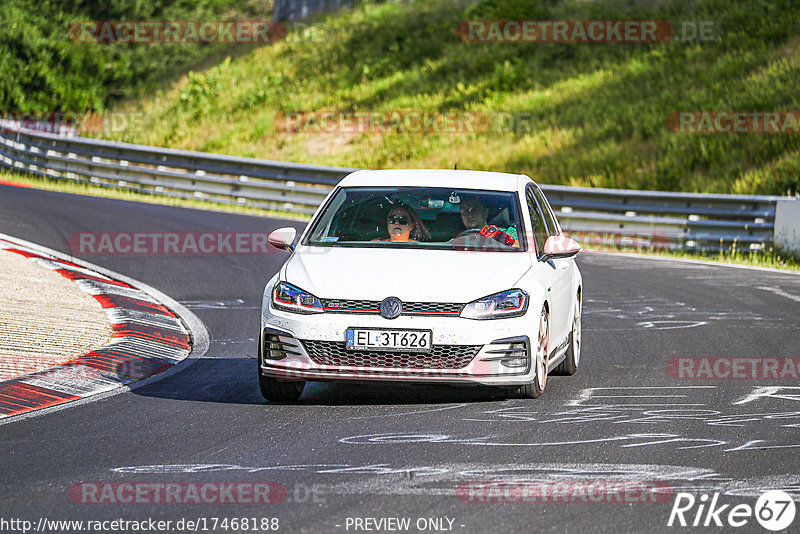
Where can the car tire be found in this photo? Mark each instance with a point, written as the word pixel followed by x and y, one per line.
pixel 273 389
pixel 536 388
pixel 573 356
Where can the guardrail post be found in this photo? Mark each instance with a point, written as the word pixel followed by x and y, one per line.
pixel 787 225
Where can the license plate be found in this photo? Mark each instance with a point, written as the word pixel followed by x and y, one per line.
pixel 383 339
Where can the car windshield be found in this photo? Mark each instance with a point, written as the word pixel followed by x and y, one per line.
pixel 420 217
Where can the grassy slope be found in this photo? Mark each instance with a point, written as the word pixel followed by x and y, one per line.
pixel 598 110
pixel 43 70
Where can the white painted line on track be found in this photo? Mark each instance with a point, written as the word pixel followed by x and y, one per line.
pixel 780 293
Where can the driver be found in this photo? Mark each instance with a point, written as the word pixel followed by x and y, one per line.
pixel 474 215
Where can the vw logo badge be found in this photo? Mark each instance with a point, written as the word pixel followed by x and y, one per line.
pixel 391 308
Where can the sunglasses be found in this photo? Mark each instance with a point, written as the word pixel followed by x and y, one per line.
pixel 401 220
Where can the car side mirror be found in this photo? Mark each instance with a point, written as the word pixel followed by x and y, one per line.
pixel 283 238
pixel 559 246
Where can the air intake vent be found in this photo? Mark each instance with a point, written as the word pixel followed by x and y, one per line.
pixel 278 347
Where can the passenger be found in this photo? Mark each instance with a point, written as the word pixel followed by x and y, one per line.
pixel 404 225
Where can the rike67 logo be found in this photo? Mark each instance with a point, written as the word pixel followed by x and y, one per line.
pixel 774 510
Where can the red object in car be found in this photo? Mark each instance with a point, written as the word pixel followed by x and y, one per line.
pixel 498 235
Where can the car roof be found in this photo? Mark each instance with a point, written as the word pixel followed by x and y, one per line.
pixel 492 181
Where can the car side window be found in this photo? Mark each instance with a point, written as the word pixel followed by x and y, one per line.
pixel 550 219
pixel 537 220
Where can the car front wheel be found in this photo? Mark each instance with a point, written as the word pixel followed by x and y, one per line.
pixel 274 390
pixel 536 388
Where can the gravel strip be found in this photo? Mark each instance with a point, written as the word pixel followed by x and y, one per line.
pixel 45 319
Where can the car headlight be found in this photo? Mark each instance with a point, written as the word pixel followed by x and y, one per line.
pixel 511 303
pixel 290 298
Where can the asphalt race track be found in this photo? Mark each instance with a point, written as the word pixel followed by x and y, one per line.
pixel 377 451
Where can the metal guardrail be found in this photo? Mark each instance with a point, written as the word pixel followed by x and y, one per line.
pixel 279 185
pixel 606 216
pixel 691 221
pixel 302 9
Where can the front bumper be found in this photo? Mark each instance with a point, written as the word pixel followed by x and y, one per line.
pixel 466 352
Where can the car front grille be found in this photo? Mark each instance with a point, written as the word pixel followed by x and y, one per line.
pixel 440 356
pixel 409 308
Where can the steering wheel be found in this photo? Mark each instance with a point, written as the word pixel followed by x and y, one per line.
pixel 468 232
pixel 472 239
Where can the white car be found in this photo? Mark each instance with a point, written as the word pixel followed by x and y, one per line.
pixel 426 276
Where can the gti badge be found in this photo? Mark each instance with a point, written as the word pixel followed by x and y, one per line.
pixel 391 308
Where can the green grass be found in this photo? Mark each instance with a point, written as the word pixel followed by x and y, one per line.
pixel 43 70
pixel 770 258
pixel 596 113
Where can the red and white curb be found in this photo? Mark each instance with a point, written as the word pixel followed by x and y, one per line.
pixel 149 337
